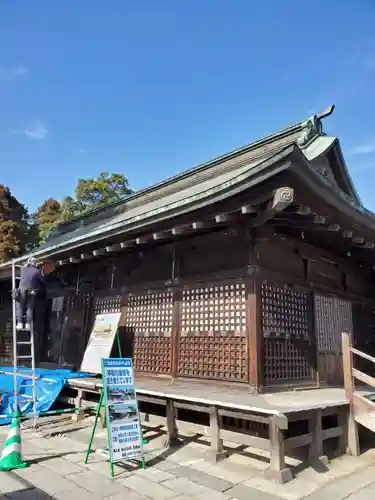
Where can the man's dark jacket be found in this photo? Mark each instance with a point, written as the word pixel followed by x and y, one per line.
pixel 31 279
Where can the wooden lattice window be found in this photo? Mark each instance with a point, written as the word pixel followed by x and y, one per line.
pixel 149 319
pixel 150 315
pixel 110 304
pixel 288 337
pixel 286 360
pixel 214 310
pixel 333 316
pixel 213 342
pixel 284 312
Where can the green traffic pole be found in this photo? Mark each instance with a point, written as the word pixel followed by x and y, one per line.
pixel 94 427
pixel 108 435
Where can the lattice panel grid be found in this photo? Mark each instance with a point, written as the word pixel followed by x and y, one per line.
pixel 285 312
pixel 219 357
pixel 152 354
pixel 333 316
pixel 214 310
pixel 150 315
pixel 286 360
pixel 104 305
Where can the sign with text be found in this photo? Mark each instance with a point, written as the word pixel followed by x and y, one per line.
pixel 124 427
pixel 101 342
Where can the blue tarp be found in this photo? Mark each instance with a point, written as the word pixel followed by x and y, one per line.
pixel 47 391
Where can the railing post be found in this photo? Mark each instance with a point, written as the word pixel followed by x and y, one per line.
pixel 347 362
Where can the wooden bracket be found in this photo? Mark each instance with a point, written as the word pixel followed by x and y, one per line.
pixel 282 198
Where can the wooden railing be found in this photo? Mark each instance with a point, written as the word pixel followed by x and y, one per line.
pixel 362 409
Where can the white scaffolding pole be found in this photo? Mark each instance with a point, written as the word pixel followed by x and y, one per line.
pixel 14 324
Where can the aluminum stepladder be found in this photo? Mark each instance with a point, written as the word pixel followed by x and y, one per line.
pixel 18 397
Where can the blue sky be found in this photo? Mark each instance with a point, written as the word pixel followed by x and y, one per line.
pixel 152 87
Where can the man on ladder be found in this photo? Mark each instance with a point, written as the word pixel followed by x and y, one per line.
pixel 32 284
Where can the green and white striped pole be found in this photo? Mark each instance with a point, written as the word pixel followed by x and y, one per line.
pixel 11 457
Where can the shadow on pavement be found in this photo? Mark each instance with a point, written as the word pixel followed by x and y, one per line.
pixel 26 494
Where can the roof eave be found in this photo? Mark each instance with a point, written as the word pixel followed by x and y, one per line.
pixel 331 195
pixel 253 176
pixel 345 173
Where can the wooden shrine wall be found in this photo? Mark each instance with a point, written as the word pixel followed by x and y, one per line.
pixel 288 336
pixel 194 328
pixel 213 331
pixel 149 321
pixel 190 316
pixel 308 300
pixel 333 316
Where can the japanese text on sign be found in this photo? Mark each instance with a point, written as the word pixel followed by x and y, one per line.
pixel 125 436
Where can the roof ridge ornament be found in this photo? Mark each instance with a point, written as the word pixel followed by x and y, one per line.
pixel 313 126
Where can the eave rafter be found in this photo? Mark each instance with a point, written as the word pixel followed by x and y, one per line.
pixel 254 213
pixel 279 208
pixel 304 220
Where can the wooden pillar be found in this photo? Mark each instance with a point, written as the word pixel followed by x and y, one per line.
pixel 176 317
pixel 254 316
pixel 217 451
pixel 255 339
pixel 347 361
pixel 79 415
pixel 176 323
pixel 316 455
pixel 277 471
pixel 172 431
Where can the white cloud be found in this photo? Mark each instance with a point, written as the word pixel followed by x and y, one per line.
pixel 36 130
pixel 11 73
pixel 363 149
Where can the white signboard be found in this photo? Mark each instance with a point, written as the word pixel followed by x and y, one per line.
pixel 57 304
pixel 124 427
pixel 100 342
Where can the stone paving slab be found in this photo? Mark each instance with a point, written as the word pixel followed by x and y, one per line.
pixel 95 483
pixel 347 486
pixel 212 482
pixel 241 492
pixel 57 470
pixel 10 483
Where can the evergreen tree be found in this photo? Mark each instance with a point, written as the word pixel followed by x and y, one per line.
pixel 14 229
pixel 100 191
pixel 47 216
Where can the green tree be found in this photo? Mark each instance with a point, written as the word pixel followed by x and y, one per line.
pixel 102 190
pixel 14 229
pixel 89 195
pixel 47 216
pixel 69 208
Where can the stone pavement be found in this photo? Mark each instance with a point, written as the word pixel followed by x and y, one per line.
pixel 57 471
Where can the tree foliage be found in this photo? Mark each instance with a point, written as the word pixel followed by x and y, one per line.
pixel 14 227
pixel 47 216
pixel 89 195
pixel 20 231
pixel 102 190
pixel 69 209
